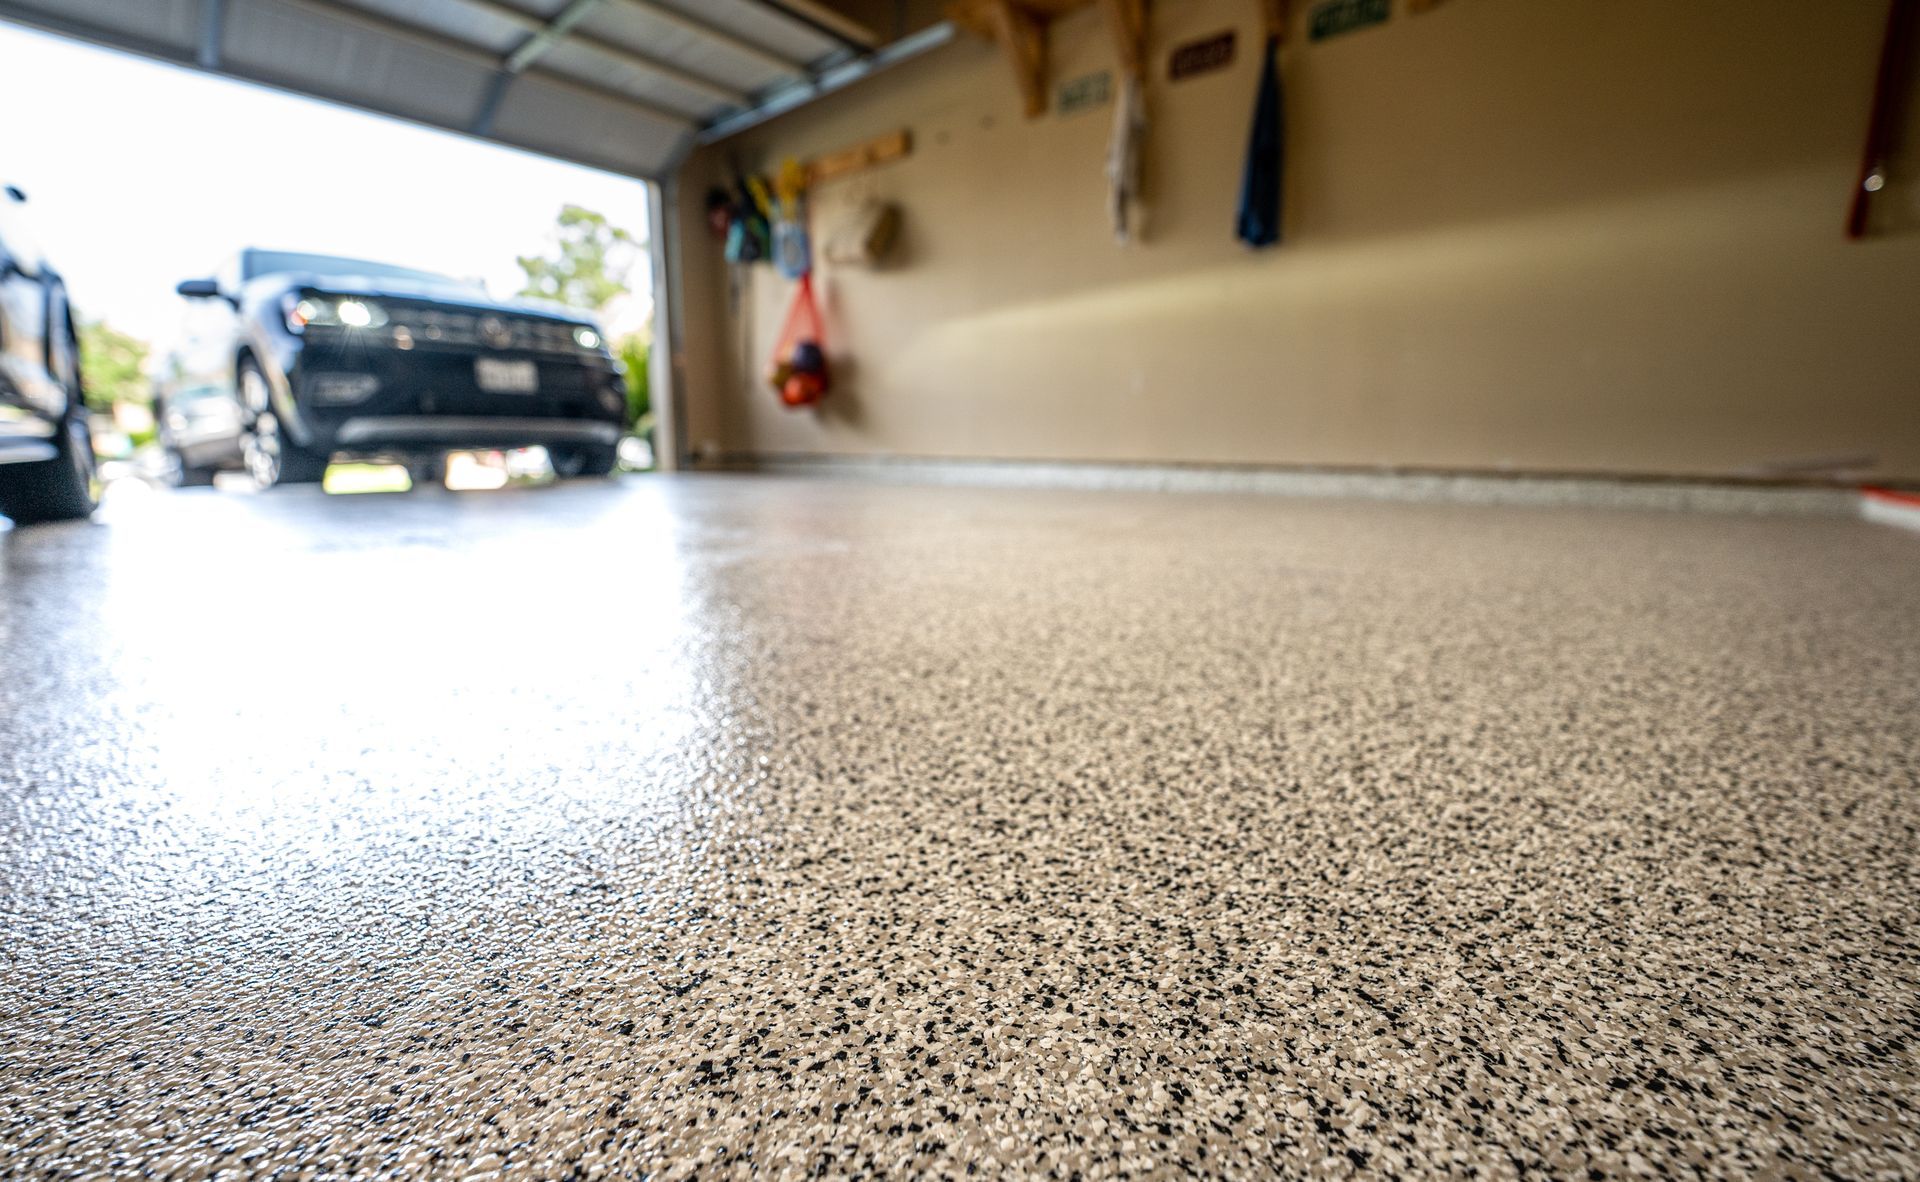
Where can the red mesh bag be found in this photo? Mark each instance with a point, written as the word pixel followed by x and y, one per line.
pixel 799 371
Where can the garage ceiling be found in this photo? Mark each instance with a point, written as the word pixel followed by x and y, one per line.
pixel 623 85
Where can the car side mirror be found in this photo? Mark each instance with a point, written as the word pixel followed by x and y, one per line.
pixel 199 289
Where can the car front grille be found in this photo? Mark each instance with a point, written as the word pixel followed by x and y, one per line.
pixel 447 327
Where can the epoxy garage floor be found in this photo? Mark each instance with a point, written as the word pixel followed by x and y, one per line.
pixel 732 826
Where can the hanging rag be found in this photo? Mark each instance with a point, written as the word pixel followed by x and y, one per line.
pixel 1124 148
pixel 1259 220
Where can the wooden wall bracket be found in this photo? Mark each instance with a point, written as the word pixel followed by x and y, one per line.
pixel 1128 20
pixel 1022 35
pixel 1273 15
pixel 892 146
pixel 1020 29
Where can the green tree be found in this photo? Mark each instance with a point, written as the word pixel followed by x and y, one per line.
pixel 113 366
pixel 588 269
pixel 591 261
pixel 636 351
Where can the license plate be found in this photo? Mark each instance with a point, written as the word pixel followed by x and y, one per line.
pixel 497 376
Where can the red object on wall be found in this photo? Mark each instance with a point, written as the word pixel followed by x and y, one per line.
pixel 799 372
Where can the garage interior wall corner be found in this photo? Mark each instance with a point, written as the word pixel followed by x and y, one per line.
pixel 1598 236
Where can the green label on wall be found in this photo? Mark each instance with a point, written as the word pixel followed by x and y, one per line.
pixel 1085 92
pixel 1344 16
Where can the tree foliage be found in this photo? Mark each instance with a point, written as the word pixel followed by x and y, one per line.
pixel 112 365
pixel 588 269
pixel 636 351
pixel 590 264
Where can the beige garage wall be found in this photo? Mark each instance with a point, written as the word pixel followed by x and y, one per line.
pixel 1547 235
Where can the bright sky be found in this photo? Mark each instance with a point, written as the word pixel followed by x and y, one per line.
pixel 143 174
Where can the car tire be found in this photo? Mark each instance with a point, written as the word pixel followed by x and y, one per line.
pixel 272 458
pixel 580 460
pixel 62 488
pixel 57 489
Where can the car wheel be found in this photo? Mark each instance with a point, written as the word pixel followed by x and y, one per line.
pixel 65 487
pixel 574 461
pixel 57 489
pixel 272 458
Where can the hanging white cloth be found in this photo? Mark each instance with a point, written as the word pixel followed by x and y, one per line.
pixel 1124 200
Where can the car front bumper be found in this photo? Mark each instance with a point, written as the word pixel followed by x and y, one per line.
pixel 468 431
pixel 428 397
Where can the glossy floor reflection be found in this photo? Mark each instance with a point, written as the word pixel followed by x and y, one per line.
pixel 757 826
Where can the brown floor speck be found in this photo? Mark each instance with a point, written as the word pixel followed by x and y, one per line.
pixel 734 826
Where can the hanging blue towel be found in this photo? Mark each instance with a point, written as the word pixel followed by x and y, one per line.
pixel 1259 220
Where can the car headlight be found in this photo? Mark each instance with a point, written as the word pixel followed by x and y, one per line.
pixel 587 338
pixel 333 312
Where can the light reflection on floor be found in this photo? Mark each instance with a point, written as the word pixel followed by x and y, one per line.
pixel 263 647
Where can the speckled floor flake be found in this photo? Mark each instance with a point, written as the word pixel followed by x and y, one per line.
pixel 733 826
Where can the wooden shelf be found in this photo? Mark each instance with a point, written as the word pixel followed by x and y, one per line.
pixel 1020 28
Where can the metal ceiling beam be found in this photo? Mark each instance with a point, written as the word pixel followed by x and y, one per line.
pixel 716 36
pixel 552 34
pixel 92 34
pixel 482 124
pixel 530 51
pixel 823 20
pixel 786 98
pixel 717 91
pixel 213 29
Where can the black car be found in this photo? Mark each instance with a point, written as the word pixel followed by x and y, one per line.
pixel 334 357
pixel 46 452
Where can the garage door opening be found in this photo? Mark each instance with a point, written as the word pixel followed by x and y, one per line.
pixel 221 243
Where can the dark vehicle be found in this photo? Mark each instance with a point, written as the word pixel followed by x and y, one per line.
pixel 46 452
pixel 344 357
pixel 199 426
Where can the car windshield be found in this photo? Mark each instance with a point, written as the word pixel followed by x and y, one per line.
pixel 283 262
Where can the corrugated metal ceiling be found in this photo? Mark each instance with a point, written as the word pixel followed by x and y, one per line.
pixel 618 84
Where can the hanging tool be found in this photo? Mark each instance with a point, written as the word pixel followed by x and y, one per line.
pixel 1258 223
pixel 1889 93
